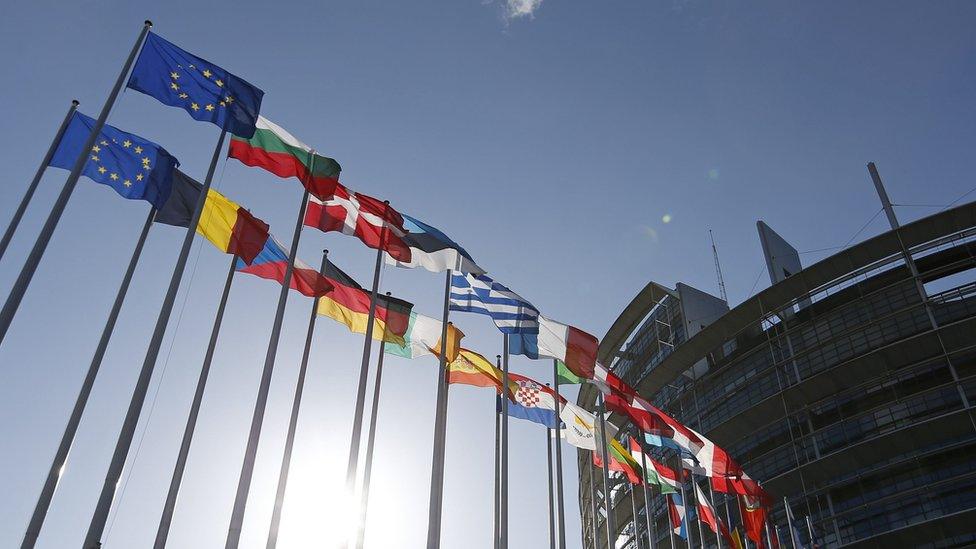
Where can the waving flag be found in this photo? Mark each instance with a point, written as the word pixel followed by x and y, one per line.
pixel 470 368
pixel 511 313
pixel 423 337
pixel 348 303
pixel 432 250
pixel 533 401
pixel 655 473
pixel 680 514
pixel 205 91
pixel 370 220
pixel 580 427
pixel 136 168
pixel 620 461
pixel 753 518
pixel 229 227
pixel 574 347
pixel 281 153
pixel 271 263
pixel 707 513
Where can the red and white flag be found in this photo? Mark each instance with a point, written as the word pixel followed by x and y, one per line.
pixel 706 513
pixel 371 220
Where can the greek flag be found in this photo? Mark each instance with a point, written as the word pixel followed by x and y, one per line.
pixel 480 294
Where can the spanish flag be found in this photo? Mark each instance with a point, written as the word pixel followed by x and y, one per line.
pixel 223 222
pixel 470 368
pixel 348 303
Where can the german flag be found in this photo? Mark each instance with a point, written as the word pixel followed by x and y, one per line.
pixel 223 222
pixel 348 303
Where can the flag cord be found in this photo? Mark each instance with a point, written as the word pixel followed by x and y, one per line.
pixel 162 376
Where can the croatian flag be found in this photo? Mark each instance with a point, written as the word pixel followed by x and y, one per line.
pixel 532 401
pixel 576 348
pixel 511 313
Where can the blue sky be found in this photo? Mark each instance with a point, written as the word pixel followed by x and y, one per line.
pixel 576 149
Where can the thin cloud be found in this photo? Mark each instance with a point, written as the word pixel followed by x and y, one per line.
pixel 515 9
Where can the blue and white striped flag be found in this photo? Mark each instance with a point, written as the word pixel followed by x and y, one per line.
pixel 480 294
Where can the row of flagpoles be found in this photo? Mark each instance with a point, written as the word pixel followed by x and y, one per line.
pixel 209 93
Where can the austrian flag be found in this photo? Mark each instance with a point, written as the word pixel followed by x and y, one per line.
pixel 370 220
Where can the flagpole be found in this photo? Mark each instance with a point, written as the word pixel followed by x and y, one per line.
pixel 293 419
pixel 261 403
pixel 769 536
pixel 728 514
pixel 560 515
pixel 596 522
pixel 100 516
pixel 684 501
pixel 552 503
pixel 503 531
pixel 71 429
pixel 352 466
pixel 162 533
pixel 607 496
pixel 647 497
pixel 370 445
pixel 440 430
pixel 633 510
pixel 498 452
pixel 670 522
pixel 810 529
pixel 789 521
pixel 711 497
pixel 34 258
pixel 694 492
pixel 22 208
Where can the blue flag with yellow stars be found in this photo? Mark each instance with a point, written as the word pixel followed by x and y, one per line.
pixel 209 93
pixel 135 167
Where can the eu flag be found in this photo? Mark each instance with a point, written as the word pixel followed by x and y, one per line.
pixel 209 93
pixel 135 167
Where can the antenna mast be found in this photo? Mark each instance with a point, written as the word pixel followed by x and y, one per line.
pixel 718 268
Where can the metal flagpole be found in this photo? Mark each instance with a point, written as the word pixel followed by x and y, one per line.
pixel 370 445
pixel 684 502
pixel 162 533
pixel 647 496
pixel 607 496
pixel 61 456
pixel 810 529
pixel 552 503
pixel 22 208
pixel 701 529
pixel 440 430
pixel 769 536
pixel 352 466
pixel 560 515
pixel 34 258
pixel 633 510
pixel 293 419
pixel 498 452
pixel 711 498
pixel 728 514
pixel 503 531
pixel 100 516
pixel 789 521
pixel 593 510
pixel 261 403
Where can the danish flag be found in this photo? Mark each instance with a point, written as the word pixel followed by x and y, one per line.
pixel 370 220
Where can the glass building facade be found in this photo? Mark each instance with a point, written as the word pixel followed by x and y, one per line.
pixel 847 389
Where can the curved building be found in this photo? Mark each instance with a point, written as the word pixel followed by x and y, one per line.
pixel 846 388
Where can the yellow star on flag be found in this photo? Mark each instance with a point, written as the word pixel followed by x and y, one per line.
pixel 95 158
pixel 222 104
pixel 101 169
pixel 183 96
pixel 229 99
pixel 174 75
pixel 138 177
pixel 138 149
pixel 96 148
pixel 146 166
pixel 174 86
pixel 220 83
pixel 194 106
pixel 209 107
pixel 126 143
pixel 207 73
pixel 145 159
pixel 114 176
pixel 104 143
pixel 127 183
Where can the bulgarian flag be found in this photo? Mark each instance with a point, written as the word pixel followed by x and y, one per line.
pixel 282 154
pixel 572 346
pixel 271 263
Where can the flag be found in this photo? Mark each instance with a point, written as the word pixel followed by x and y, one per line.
pixel 281 153
pixel 620 460
pixel 229 227
pixel 348 303
pixel 136 168
pixel 432 250
pixel 207 92
pixel 680 514
pixel 574 347
pixel 423 337
pixel 579 426
pixel 607 382
pixel 660 442
pixel 707 513
pixel 532 401
pixel 470 368
pixel 753 518
pixel 655 473
pixel 565 376
pixel 511 313
pixel 271 263
pixel 371 220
